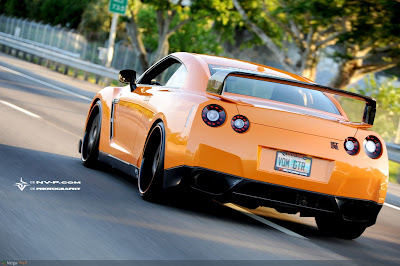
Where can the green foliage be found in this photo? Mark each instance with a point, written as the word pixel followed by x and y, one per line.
pixel 222 16
pixel 380 19
pixel 275 17
pixel 372 25
pixel 64 12
pixel 96 20
pixel 148 26
pixel 196 37
pixel 387 95
pixel 394 172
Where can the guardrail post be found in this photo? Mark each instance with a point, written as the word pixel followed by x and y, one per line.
pixel 76 73
pixel 398 175
pixel 66 68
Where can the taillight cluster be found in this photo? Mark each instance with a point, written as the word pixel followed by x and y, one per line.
pixel 351 146
pixel 240 123
pixel 372 146
pixel 214 116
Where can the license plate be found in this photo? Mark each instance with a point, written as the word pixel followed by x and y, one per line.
pixel 293 163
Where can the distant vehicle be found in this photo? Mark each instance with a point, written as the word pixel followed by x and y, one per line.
pixel 243 133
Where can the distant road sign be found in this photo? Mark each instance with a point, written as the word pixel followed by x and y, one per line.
pixel 118 6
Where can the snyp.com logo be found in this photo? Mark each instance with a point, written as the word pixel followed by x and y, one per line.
pixel 21 185
pixel 48 185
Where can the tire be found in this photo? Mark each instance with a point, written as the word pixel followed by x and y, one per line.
pixel 339 228
pixel 91 138
pixel 150 181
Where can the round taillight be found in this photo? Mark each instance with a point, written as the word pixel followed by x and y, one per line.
pixel 213 115
pixel 351 146
pixel 372 147
pixel 240 123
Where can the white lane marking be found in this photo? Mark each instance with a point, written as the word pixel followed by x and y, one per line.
pixel 19 109
pixel 392 206
pixel 46 84
pixel 264 221
pixel 36 116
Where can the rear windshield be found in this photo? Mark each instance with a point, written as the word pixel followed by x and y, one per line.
pixel 280 92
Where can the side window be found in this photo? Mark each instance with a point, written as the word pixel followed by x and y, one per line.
pixel 170 72
pixel 178 78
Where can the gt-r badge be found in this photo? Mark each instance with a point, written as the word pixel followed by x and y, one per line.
pixel 334 145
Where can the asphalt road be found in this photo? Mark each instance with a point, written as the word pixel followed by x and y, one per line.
pixel 107 220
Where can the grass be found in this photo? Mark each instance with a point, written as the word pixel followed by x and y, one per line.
pixel 394 172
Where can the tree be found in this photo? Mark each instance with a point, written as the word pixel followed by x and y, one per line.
pixel 367 33
pixel 372 44
pixel 306 26
pixel 387 95
pixel 170 18
pixel 192 23
pixel 96 21
pixel 155 28
pixel 64 12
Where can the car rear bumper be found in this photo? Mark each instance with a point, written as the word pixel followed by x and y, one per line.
pixel 253 155
pixel 252 193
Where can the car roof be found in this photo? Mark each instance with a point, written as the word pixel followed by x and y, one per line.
pixel 235 63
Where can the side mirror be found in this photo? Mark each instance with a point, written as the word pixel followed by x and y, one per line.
pixel 128 76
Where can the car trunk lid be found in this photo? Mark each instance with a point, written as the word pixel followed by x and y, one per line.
pixel 297 119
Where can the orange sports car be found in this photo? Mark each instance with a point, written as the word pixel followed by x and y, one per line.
pixel 243 133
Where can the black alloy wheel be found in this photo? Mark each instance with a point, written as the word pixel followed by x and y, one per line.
pixel 150 181
pixel 90 143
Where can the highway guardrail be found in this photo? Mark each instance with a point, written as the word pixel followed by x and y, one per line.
pixel 56 55
pixel 393 152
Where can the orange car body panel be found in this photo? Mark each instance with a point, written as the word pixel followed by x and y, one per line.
pixel 190 142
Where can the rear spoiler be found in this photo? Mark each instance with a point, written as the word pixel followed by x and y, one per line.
pixel 216 85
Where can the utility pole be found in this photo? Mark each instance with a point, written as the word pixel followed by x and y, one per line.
pixel 117 7
pixel 111 40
